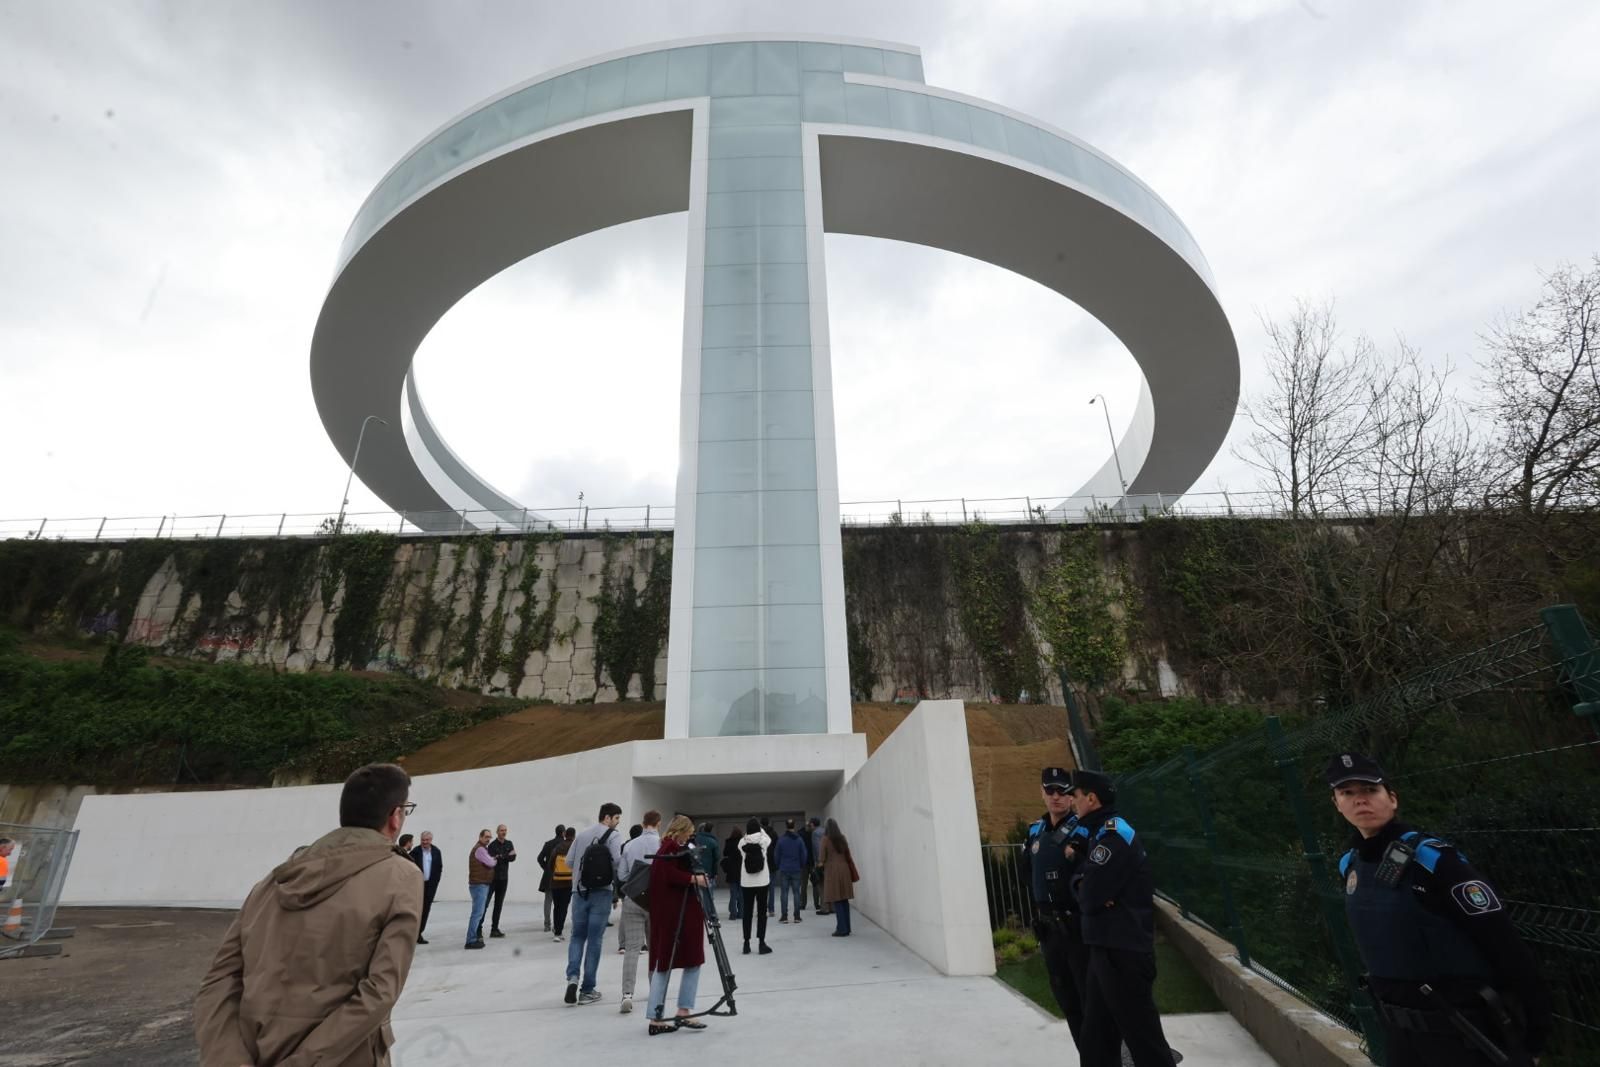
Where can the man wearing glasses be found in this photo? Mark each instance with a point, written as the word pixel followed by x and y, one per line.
pixel 353 898
pixel 1050 867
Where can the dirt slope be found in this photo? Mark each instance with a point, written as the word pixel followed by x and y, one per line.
pixel 1009 744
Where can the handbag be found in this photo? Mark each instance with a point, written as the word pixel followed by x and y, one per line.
pixel 855 875
pixel 636 887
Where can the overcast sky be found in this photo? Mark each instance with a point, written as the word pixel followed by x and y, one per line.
pixel 175 180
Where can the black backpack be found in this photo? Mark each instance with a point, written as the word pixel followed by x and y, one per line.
pixel 753 858
pixel 596 869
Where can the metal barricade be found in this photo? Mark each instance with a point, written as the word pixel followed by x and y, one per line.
pixel 36 869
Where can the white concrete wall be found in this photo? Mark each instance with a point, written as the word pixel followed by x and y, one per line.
pixel 912 821
pixel 202 849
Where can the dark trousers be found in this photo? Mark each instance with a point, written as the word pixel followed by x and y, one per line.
pixel 755 906
pixel 816 892
pixel 1410 1048
pixel 497 893
pixel 428 890
pixel 1119 1009
pixel 1066 961
pixel 563 898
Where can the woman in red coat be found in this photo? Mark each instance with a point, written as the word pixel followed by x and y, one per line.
pixel 672 893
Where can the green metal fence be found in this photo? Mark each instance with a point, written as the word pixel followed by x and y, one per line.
pixel 1497 751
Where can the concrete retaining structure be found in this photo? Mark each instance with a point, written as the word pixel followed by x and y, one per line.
pixel 913 825
pixel 1293 1032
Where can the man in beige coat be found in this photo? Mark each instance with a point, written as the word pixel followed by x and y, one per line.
pixel 309 971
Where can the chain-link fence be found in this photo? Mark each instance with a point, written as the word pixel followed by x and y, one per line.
pixel 1496 751
pixel 35 871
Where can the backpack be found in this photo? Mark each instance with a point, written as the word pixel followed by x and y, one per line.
pixel 595 869
pixel 561 871
pixel 636 887
pixel 753 858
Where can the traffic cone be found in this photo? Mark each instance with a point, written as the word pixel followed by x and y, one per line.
pixel 13 923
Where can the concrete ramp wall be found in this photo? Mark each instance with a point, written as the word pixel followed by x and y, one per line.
pixel 912 822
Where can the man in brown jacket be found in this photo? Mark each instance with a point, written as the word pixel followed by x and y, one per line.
pixel 309 971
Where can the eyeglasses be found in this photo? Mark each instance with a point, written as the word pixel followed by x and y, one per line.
pixel 407 809
pixel 1057 790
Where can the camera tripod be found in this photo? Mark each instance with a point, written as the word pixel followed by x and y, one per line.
pixel 718 949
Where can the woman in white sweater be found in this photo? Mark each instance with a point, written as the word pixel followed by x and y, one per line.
pixel 754 877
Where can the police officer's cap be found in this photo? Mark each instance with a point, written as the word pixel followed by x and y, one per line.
pixel 1354 767
pixel 1055 776
pixel 1094 782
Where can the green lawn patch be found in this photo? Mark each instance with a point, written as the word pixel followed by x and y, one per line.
pixel 1179 988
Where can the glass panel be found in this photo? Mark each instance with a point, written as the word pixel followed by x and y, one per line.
pixel 796 702
pixel 726 638
pixel 607 83
pixel 788 414
pixel 789 518
pixel 820 56
pixel 902 65
pixel 728 326
pixel 566 97
pixel 785 324
pixel 756 244
pixel 723 519
pixel 824 97
pixel 688 72
pixel 861 60
pixel 733 69
pixel 866 105
pixel 756 172
pixel 525 111
pixel 727 370
pixel 793 574
pixel 729 466
pixel 774 207
pixel 794 635
pixel 788 466
pixel 987 129
pixel 647 78
pixel 909 111
pixel 726 577
pixel 737 141
pixel 754 110
pixel 777 67
pixel 728 417
pixel 1022 141
pixel 1061 156
pixel 724 703
pixel 782 283
pixel 786 368
pixel 730 285
pixel 950 119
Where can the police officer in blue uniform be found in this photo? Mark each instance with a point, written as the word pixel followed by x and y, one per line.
pixel 1050 868
pixel 1451 979
pixel 1116 898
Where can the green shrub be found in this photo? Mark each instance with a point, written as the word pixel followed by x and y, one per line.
pixel 1029 944
pixel 1011 953
pixel 1004 936
pixel 1132 736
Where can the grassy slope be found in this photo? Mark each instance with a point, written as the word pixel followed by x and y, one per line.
pixel 1179 988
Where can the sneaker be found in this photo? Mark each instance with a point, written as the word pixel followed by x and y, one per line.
pixel 474 944
pixel 421 940
pixel 627 1005
pixel 572 993
pixel 766 950
pixel 797 917
pixel 747 948
pixel 496 933
pixel 556 937
pixel 589 996
pixel 547 928
pixel 784 920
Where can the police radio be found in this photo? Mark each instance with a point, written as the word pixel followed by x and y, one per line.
pixel 1396 858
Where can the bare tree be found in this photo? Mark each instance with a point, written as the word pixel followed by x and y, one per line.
pixel 1314 419
pixel 1543 386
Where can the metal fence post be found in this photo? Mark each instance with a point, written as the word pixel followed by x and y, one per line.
pixel 963 509
pixel 40 534
pixel 1173 856
pixel 161 526
pixel 220 523
pixel 101 529
pixel 1202 804
pixel 1580 662
pixel 1322 884
pixel 283 518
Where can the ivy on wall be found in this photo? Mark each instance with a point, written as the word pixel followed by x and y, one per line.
pixel 360 564
pixel 898 610
pixel 630 625
pixel 1080 612
pixel 535 625
pixel 992 601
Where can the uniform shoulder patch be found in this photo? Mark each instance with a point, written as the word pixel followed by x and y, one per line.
pixel 1100 854
pixel 1035 844
pixel 1475 897
pixel 1350 882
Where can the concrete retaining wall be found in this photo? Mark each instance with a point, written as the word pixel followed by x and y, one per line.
pixel 912 822
pixel 1293 1032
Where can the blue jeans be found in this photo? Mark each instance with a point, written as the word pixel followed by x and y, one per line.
pixel 589 914
pixel 688 986
pixel 480 900
pixel 841 911
pixel 791 883
pixel 735 899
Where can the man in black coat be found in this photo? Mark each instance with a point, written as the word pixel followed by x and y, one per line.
pixel 504 853
pixel 431 862
pixel 546 860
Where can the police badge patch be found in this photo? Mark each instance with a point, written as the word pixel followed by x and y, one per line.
pixel 1100 855
pixel 1350 882
pixel 1036 844
pixel 1475 898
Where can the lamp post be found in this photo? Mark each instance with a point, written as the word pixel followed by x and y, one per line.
pixel 1105 409
pixel 338 527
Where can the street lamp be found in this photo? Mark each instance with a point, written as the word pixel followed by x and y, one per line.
pixel 338 527
pixel 1105 409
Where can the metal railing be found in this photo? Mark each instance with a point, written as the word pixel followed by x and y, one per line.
pixel 1496 751
pixel 942 511
pixel 1006 885
pixel 38 865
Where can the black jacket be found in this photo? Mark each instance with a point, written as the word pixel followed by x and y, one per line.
pixel 501 851
pixel 1116 895
pixel 438 863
